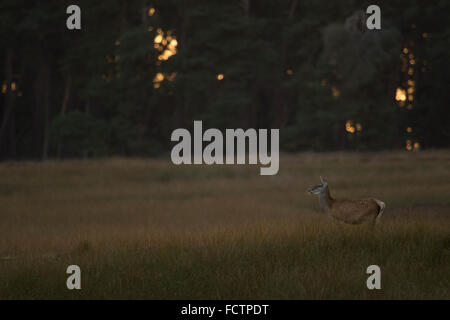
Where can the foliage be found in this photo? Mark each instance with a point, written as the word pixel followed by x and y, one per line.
pixel 310 68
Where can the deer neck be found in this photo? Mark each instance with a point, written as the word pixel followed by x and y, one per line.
pixel 325 200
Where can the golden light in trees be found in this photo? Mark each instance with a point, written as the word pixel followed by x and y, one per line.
pixel 358 127
pixel 400 94
pixel 165 44
pixel 150 28
pixel 4 88
pixel 409 129
pixel 158 38
pixel 13 86
pixel 289 72
pixel 173 43
pixel 425 35
pixel 117 42
pixel 408 145
pixel 335 92
pixel 349 126
pixel 166 55
pixel 219 76
pixel 171 76
pixel 158 77
pixel 416 146
pixel 151 12
pixel 405 50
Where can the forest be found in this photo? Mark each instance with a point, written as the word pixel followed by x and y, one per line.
pixel 139 69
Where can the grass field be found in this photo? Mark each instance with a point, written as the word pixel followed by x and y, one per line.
pixel 146 229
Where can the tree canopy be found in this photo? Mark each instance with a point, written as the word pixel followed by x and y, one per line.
pixel 139 69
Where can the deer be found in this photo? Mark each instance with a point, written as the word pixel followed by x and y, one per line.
pixel 350 211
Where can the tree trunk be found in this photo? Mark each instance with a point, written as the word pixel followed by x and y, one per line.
pixel 64 108
pixel 282 110
pixel 46 110
pixel 40 112
pixel 7 125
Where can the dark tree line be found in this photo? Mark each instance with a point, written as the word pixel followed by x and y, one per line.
pixel 139 69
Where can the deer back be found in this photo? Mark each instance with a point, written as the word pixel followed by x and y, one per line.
pixel 354 211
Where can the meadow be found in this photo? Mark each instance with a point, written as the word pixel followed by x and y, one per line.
pixel 147 229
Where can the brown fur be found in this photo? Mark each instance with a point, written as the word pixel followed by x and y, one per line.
pixel 352 211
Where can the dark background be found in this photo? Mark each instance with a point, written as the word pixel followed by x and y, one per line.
pixel 121 84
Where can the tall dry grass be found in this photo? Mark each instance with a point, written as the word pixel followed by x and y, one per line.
pixel 149 229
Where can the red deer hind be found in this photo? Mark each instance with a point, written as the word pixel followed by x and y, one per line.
pixel 351 211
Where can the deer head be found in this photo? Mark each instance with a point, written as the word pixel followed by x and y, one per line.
pixel 320 188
